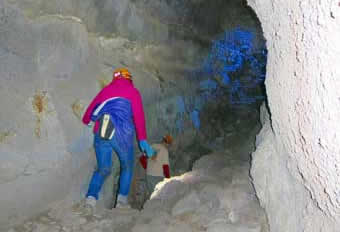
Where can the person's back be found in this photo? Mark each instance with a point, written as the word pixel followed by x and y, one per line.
pixel 121 88
pixel 117 111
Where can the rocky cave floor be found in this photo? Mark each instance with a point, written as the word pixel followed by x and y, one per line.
pixel 216 195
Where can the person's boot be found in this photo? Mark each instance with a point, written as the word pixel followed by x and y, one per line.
pixel 90 204
pixel 122 202
pixel 121 205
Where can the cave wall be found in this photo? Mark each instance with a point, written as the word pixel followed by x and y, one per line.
pixel 36 157
pixel 50 68
pixel 56 55
pixel 296 165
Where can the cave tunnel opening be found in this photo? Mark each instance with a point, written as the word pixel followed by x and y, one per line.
pixel 229 85
pixel 217 107
pixel 199 65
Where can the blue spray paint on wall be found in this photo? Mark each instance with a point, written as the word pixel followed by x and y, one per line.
pixel 181 113
pixel 180 104
pixel 234 63
pixel 195 118
pixel 231 67
pixel 208 84
pixel 179 123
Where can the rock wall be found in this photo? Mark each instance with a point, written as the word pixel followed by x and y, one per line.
pixel 56 55
pixel 150 20
pixel 50 69
pixel 296 164
pixel 37 121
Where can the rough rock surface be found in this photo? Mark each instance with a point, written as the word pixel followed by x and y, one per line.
pixel 296 166
pixel 50 69
pixel 216 196
pixel 149 20
pixel 56 55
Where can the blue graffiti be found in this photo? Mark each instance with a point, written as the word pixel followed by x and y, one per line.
pixel 233 61
pixel 179 121
pixel 195 118
pixel 233 67
pixel 208 85
pixel 180 104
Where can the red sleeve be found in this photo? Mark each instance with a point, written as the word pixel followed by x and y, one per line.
pixel 138 115
pixel 93 104
pixel 166 171
pixel 143 161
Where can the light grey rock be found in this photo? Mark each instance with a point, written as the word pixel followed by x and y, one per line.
pixel 233 217
pixel 172 190
pixel 226 172
pixel 211 165
pixel 66 229
pixel 210 204
pixel 180 226
pixel 141 228
pixel 199 209
pixel 224 227
pixel 221 216
pixel 12 166
pixel 41 228
pixel 34 52
pixel 157 224
pixel 298 152
pixel 189 203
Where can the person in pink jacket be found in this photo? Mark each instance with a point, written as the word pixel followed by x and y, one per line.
pixel 117 112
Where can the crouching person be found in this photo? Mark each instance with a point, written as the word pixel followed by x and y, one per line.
pixel 117 112
pixel 157 167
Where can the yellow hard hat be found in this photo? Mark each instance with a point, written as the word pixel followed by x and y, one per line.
pixel 122 73
pixel 168 139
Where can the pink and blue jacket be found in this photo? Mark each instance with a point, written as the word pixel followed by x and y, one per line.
pixel 122 88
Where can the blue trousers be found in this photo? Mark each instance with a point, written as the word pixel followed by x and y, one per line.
pixel 104 150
